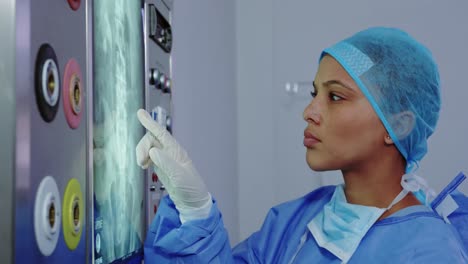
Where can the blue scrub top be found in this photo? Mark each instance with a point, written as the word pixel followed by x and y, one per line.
pixel 412 235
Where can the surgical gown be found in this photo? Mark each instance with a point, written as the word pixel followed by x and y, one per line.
pixel 412 235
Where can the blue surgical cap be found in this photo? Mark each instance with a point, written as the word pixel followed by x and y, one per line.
pixel 400 79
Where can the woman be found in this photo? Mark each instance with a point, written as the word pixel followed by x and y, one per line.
pixel 376 100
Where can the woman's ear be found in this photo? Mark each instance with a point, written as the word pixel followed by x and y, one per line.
pixel 402 124
pixel 388 140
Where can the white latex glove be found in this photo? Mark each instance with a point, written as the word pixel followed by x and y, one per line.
pixel 174 168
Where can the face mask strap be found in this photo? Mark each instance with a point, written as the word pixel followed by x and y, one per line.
pixel 419 186
pixel 398 198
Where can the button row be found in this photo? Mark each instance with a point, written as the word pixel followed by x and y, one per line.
pixel 160 80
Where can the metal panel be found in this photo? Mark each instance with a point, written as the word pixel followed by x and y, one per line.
pixel 7 130
pixel 155 97
pixel 47 148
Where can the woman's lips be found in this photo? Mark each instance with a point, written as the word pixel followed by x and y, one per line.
pixel 310 140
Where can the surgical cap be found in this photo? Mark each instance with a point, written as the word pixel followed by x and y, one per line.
pixel 400 79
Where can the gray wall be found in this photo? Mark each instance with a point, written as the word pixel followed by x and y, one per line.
pixel 204 97
pixel 255 119
pixel 8 125
pixel 280 41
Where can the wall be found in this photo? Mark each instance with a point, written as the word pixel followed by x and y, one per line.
pixel 280 41
pixel 255 119
pixel 204 97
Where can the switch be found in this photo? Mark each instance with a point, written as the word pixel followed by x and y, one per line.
pixel 162 116
pixel 154 114
pixel 153 76
pixel 167 86
pixel 159 115
pixel 162 80
pixel 169 124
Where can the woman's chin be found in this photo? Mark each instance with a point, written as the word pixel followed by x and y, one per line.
pixel 317 168
pixel 316 164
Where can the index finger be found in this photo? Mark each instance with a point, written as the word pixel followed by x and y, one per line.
pixel 159 132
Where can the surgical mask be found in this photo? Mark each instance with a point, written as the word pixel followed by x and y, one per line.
pixel 341 226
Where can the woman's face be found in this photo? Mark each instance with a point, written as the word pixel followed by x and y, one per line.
pixel 343 131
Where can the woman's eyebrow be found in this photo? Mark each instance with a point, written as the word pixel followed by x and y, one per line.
pixel 338 82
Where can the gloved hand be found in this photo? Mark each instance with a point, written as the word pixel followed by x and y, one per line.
pixel 174 168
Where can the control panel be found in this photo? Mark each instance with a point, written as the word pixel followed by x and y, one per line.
pixel 158 84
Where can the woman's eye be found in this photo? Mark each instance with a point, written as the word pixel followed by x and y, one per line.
pixel 335 97
pixel 313 94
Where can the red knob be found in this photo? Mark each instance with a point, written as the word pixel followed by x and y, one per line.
pixel 74 4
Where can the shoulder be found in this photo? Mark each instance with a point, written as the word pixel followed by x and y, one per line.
pixel 421 237
pixel 434 240
pixel 423 224
pixel 437 236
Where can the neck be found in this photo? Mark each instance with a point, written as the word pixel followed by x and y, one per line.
pixel 377 183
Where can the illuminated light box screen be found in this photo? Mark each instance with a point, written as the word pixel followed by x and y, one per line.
pixel 117 95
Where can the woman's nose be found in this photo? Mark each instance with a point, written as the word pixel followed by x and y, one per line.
pixel 312 113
